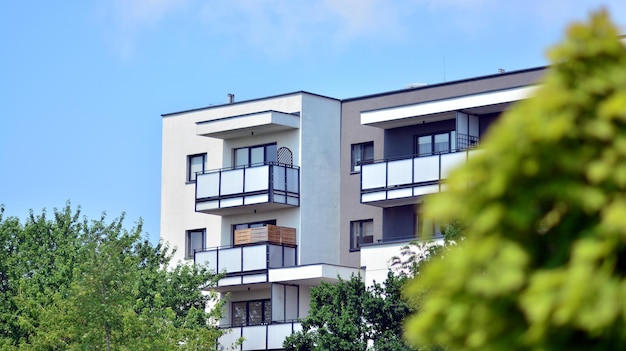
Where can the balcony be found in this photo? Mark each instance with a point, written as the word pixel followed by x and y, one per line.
pixel 262 187
pixel 257 123
pixel 397 182
pixel 247 264
pixel 260 337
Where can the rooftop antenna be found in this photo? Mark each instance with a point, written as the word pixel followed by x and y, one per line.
pixel 444 68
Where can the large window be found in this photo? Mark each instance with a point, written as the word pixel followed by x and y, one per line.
pixel 195 241
pixel 253 224
pixel 435 144
pixel 361 154
pixel 195 165
pixel 255 155
pixel 361 232
pixel 251 312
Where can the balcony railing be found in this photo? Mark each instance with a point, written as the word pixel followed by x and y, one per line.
pixel 264 186
pixel 385 183
pixel 259 337
pixel 247 264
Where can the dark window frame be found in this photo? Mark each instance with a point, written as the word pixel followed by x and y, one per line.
pixel 189 250
pixel 249 154
pixel 191 175
pixel 451 147
pixel 362 150
pixel 266 312
pixel 356 241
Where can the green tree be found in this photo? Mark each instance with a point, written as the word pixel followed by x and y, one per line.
pixel 69 284
pixel 348 316
pixel 543 264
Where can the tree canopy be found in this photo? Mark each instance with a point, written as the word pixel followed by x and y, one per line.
pixel 68 283
pixel 543 263
pixel 348 316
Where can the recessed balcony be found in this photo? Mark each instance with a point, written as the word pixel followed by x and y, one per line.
pixel 429 111
pixel 262 187
pixel 398 182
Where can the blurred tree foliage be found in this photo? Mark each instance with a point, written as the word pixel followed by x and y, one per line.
pixel 543 265
pixel 72 284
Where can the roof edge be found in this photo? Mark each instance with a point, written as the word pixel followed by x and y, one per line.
pixel 464 80
pixel 246 101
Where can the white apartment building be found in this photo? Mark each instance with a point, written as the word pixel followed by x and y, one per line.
pixel 283 192
pixel 252 189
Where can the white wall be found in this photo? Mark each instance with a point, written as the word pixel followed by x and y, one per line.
pixel 179 139
pixel 178 197
pixel 315 147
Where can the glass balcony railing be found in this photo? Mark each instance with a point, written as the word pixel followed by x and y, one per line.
pixel 260 337
pixel 248 263
pixel 404 178
pixel 264 186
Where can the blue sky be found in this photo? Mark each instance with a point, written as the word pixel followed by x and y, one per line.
pixel 83 83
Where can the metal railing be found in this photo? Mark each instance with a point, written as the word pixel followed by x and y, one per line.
pixel 233 260
pixel 402 175
pixel 259 337
pixel 239 186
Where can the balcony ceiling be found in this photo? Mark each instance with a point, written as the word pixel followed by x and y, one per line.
pixel 311 275
pixel 431 111
pixel 397 202
pixel 249 124
pixel 246 209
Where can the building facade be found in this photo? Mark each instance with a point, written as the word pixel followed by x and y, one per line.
pixel 413 138
pixel 284 192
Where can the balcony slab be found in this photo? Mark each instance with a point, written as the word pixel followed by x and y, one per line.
pixel 249 124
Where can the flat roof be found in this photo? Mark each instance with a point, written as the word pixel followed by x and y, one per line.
pixel 246 101
pixel 452 82
pixel 391 92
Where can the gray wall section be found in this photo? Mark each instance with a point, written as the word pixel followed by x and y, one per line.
pixel 398 223
pixel 399 141
pixel 352 131
pixel 319 185
pixel 485 122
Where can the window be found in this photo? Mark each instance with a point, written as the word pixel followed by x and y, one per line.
pixel 361 232
pixel 195 241
pixel 435 144
pixel 361 154
pixel 255 155
pixel 251 312
pixel 195 165
pixel 253 224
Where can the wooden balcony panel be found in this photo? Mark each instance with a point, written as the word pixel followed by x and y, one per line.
pixel 270 233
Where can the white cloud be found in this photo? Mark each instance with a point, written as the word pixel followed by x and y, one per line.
pixel 132 17
pixel 284 28
pixel 366 18
pixel 135 14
